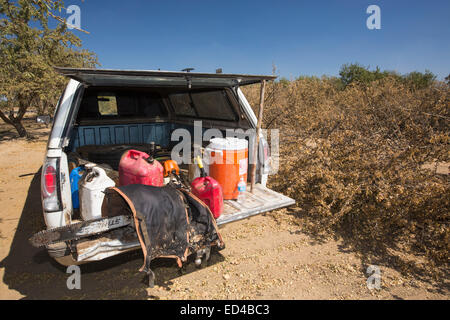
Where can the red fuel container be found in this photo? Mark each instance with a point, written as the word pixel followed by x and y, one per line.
pixel 210 192
pixel 136 168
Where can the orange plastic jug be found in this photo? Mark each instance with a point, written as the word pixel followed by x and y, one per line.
pixel 228 162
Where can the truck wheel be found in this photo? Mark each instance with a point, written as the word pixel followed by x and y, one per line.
pixel 109 155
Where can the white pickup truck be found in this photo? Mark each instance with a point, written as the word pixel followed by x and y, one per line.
pixel 103 112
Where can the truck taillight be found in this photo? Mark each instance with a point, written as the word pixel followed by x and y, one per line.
pixel 49 181
pixel 50 185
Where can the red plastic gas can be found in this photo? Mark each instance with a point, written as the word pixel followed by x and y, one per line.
pixel 210 192
pixel 136 168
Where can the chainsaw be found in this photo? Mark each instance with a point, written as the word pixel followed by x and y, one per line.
pixel 79 230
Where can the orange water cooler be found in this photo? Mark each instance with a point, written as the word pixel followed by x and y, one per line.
pixel 227 160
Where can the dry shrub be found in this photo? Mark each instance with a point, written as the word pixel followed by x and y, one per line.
pixel 351 159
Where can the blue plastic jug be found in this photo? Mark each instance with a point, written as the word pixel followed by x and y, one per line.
pixel 75 176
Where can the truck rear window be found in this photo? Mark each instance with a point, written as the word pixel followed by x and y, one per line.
pixel 182 104
pixel 99 104
pixel 203 104
pixel 107 104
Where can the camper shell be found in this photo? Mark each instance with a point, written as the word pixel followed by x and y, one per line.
pixel 101 113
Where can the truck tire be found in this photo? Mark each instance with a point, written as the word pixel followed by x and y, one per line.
pixel 109 154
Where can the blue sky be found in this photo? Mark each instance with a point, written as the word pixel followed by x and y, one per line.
pixel 299 37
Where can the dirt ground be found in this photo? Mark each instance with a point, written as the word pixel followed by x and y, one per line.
pixel 266 256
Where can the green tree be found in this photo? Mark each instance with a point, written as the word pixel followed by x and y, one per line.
pixel 419 80
pixel 29 49
pixel 355 72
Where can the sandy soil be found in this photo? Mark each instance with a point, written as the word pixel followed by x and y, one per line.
pixel 266 257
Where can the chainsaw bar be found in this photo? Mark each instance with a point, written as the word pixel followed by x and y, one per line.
pixel 78 230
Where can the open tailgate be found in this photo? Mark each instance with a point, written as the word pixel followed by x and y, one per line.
pixel 262 200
